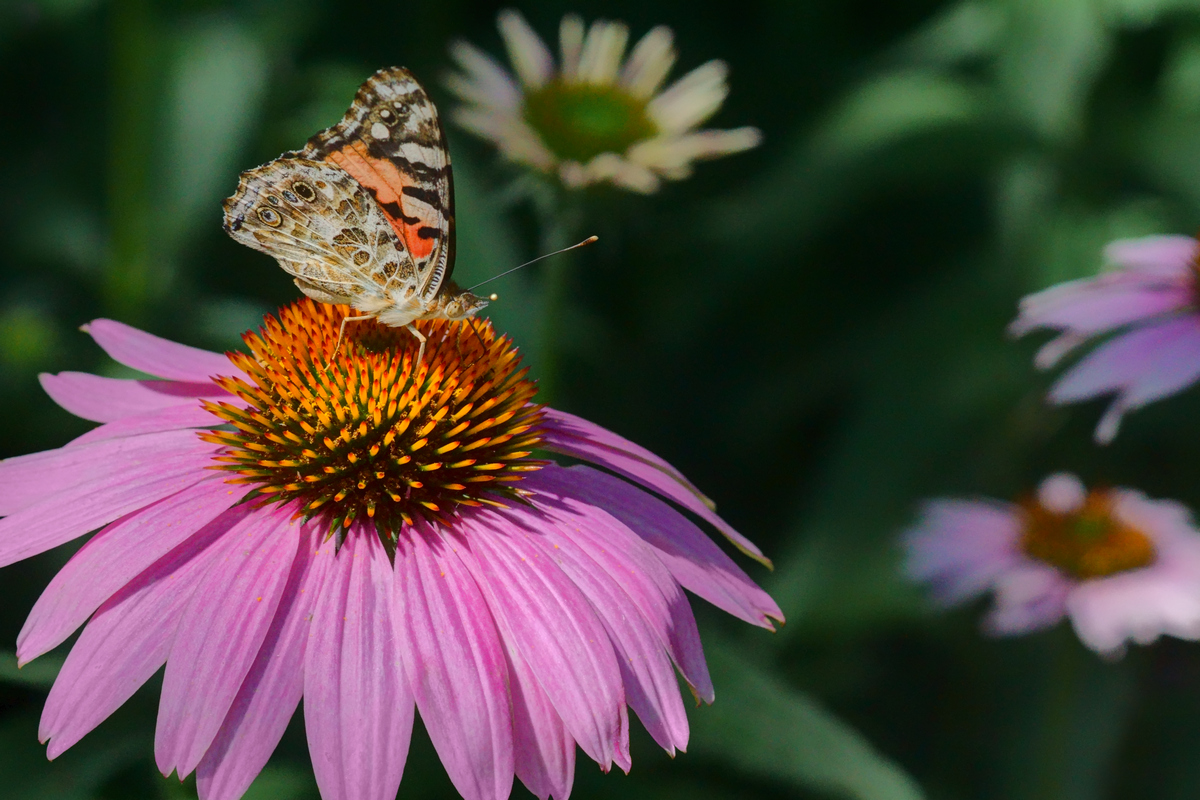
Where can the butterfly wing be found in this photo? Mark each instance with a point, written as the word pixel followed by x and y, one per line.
pixel 392 143
pixel 323 228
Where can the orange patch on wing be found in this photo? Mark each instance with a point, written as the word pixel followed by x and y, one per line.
pixel 387 182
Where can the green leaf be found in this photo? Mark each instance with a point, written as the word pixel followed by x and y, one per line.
pixel 893 106
pixel 768 729
pixel 217 82
pixel 282 783
pixel 1051 55
pixel 38 674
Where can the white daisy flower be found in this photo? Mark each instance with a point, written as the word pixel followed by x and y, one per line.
pixel 595 116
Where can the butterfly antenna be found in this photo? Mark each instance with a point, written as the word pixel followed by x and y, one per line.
pixel 585 242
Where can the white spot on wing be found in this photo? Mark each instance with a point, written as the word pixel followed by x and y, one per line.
pixel 379 130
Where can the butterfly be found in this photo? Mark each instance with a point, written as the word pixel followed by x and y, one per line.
pixel 363 215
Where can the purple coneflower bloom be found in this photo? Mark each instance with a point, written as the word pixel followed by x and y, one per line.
pixel 1121 566
pixel 1150 302
pixel 373 537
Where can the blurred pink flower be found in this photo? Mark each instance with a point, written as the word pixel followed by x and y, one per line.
pixel 1119 565
pixel 1149 302
pixel 518 620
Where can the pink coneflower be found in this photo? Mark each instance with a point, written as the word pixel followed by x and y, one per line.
pixel 373 537
pixel 1121 566
pixel 1150 302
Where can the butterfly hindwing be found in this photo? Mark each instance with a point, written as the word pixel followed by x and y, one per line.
pixel 321 226
pixel 392 143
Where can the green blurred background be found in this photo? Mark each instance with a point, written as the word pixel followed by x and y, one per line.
pixel 813 332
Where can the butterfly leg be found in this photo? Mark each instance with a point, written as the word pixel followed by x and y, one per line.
pixel 341 333
pixel 421 338
pixel 475 331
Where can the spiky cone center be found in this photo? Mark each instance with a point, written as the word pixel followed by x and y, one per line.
pixel 369 433
pixel 579 121
pixel 1091 542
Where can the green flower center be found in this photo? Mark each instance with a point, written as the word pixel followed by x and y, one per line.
pixel 1088 543
pixel 579 121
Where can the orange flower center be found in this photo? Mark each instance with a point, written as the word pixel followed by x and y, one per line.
pixel 1088 543
pixel 369 434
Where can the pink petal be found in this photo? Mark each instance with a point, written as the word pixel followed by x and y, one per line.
pixel 26 480
pixel 650 684
pixel 157 356
pixel 220 634
pixel 272 690
pixel 1170 369
pixel 103 399
pixel 455 665
pixel 543 753
pixel 170 418
pixel 86 507
pixel 693 559
pixel 1144 365
pixel 115 556
pixel 129 638
pixel 1101 304
pixel 1134 606
pixel 962 546
pixel 1028 597
pixel 357 706
pixel 1165 254
pixel 575 436
pixel 548 621
pixel 1115 365
pixel 635 566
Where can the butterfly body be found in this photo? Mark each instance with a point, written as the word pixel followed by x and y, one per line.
pixel 364 213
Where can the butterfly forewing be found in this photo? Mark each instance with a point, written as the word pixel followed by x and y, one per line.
pixel 392 143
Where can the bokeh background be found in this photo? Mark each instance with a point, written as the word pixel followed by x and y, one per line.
pixel 812 331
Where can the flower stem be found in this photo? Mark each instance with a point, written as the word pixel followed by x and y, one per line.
pixel 1083 715
pixel 558 224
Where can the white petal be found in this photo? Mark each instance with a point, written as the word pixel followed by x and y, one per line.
pixel 649 63
pixel 510 134
pixel 528 53
pixel 485 81
pixel 572 174
pixel 570 41
pixel 676 153
pixel 620 172
pixel 692 99
pixel 602 52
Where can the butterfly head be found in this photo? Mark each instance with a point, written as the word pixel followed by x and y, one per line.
pixel 459 303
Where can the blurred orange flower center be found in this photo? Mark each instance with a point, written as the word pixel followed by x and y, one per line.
pixel 1088 543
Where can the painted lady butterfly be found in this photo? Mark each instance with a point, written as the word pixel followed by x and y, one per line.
pixel 364 214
